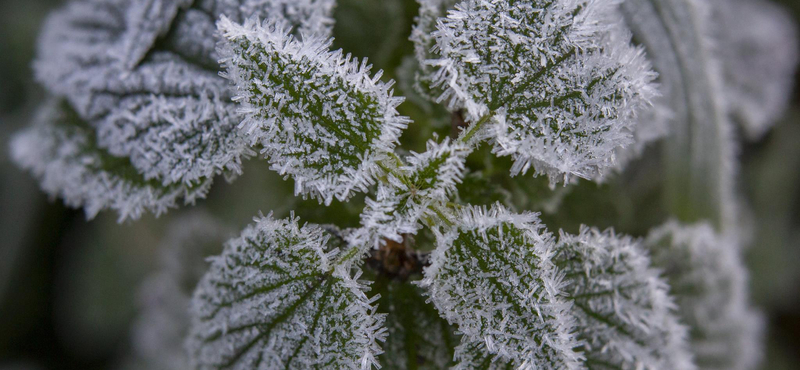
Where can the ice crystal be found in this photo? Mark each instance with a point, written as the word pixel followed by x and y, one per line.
pixel 492 276
pixel 757 42
pixel 418 338
pixel 158 333
pixel 276 298
pixel 61 151
pixel 625 316
pixel 473 355
pixel 559 79
pixel 709 282
pixel 677 35
pixel 319 115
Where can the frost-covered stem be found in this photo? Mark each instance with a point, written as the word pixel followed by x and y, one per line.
pixel 441 216
pixel 475 128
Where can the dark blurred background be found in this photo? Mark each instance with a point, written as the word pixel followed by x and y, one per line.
pixel 69 287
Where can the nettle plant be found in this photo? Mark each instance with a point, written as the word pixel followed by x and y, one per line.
pixel 152 99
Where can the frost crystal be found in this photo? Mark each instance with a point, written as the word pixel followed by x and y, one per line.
pixel 626 318
pixel 418 338
pixel 276 299
pixel 757 42
pixel 144 75
pixel 492 276
pixel 60 150
pixel 159 332
pixel 709 282
pixel 559 79
pixel 319 115
pixel 471 355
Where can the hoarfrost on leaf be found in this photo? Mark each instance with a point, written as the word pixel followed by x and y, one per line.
pixel 492 276
pixel 60 150
pixel 557 83
pixel 626 317
pixel 708 279
pixel 144 75
pixel 319 115
pixel 276 298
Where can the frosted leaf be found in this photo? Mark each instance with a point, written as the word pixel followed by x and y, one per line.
pixel 677 37
pixel 159 332
pixel 173 120
pixel 320 116
pixel 757 42
pixel 709 282
pixel 559 79
pixel 80 41
pixel 492 276
pixel 427 179
pixel 144 75
pixel 625 316
pixel 274 299
pixel 60 150
pixel 418 338
pixel 89 40
pixel 424 44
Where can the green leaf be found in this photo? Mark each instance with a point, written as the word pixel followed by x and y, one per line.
pixel 320 116
pixel 418 338
pixel 491 275
pixel 60 150
pixel 275 298
pixel 625 316
pixel 554 84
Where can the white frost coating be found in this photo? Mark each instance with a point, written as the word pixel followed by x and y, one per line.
pixel 427 179
pixel 560 78
pixel 82 40
pixel 320 116
pixel 173 120
pixel 60 151
pixel 424 44
pixel 159 331
pixel 757 42
pixel 709 282
pixel 144 74
pixel 273 299
pixel 471 355
pixel 492 276
pixel 625 316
